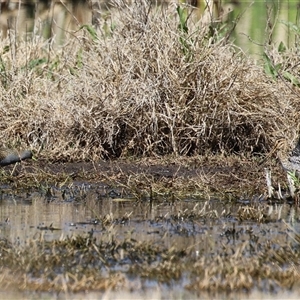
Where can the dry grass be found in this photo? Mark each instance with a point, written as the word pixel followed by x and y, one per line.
pixel 134 90
pixel 145 88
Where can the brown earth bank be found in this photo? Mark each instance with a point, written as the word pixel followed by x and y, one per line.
pixel 206 176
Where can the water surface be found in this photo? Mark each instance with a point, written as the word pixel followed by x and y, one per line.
pixel 200 226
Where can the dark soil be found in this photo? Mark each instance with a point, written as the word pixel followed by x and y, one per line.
pixel 235 174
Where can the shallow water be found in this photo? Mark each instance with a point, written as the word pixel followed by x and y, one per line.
pixel 79 210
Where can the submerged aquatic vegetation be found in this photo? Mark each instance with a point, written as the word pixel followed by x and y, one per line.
pixel 220 255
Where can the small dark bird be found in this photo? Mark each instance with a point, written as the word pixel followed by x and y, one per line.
pixel 9 156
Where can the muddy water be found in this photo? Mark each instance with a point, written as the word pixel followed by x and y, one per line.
pixel 58 213
pixel 69 212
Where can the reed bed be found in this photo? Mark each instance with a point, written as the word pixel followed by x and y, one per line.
pixel 139 85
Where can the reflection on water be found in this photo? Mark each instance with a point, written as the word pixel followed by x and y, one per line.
pixel 25 215
pixel 203 226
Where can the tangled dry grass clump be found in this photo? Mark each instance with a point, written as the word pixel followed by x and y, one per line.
pixel 141 87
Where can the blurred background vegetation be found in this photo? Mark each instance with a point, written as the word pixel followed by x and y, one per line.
pixel 252 25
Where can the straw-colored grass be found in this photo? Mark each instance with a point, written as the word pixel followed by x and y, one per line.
pixel 142 88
